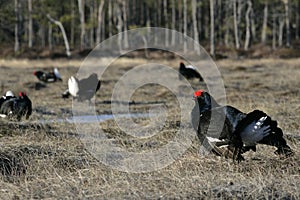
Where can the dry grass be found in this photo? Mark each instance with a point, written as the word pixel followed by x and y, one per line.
pixel 50 161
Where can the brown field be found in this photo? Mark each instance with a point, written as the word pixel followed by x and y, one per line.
pixel 49 160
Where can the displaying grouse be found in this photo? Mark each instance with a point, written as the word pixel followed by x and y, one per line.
pixel 17 107
pixel 48 77
pixel 189 72
pixel 83 89
pixel 240 130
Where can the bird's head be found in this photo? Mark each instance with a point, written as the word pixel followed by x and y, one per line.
pixel 35 72
pixel 22 94
pixel 181 65
pixel 204 100
pixel 94 76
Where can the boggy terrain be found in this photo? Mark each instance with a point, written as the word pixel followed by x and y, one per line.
pixel 44 157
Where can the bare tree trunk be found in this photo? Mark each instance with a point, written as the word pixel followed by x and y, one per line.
pixel 184 24
pixel 148 23
pixel 227 24
pixel 180 17
pixel 274 32
pixel 239 17
pixel 50 36
pixel 206 24
pixel 59 24
pixel 297 21
pixel 252 22
pixel 287 22
pixel 103 29
pixel 17 25
pixel 142 10
pixel 148 18
pixel 173 23
pixel 72 23
pixel 30 32
pixel 236 33
pixel 212 28
pixel 124 6
pixel 280 32
pixel 92 18
pixel 158 16
pixel 199 19
pixel 100 16
pixel 220 11
pixel 166 23
pixel 110 18
pixel 42 36
pixel 265 24
pixel 119 27
pixel 82 23
pixel 195 22
pixel 239 11
pixel 248 26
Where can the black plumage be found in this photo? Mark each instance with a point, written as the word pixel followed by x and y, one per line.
pixel 241 131
pixel 189 72
pixel 48 77
pixel 17 107
pixel 83 89
pixel 258 128
pixel 6 97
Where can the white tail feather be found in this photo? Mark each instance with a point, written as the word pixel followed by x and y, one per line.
pixel 73 86
pixel 190 67
pixel 57 74
pixel 9 94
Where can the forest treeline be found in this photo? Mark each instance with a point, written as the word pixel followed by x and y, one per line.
pixel 81 24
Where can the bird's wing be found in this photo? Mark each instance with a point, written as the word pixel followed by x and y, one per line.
pixel 254 127
pixel 7 107
pixel 73 86
pixel 88 87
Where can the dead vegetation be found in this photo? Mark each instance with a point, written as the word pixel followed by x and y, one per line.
pixel 49 160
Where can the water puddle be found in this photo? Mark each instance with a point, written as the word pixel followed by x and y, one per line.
pixel 93 118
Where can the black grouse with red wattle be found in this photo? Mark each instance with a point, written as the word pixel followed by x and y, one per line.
pixel 17 107
pixel 242 131
pixel 48 77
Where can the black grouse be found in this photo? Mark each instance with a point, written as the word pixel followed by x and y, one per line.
pixel 48 77
pixel 83 89
pixel 189 72
pixel 17 107
pixel 240 130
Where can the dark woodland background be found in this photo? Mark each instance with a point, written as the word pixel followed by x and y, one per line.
pixel 226 28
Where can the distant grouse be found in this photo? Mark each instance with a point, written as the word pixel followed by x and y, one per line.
pixel 48 77
pixel 83 89
pixel 188 72
pixel 17 107
pixel 242 131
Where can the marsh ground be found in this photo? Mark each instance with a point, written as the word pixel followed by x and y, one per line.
pixel 50 161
